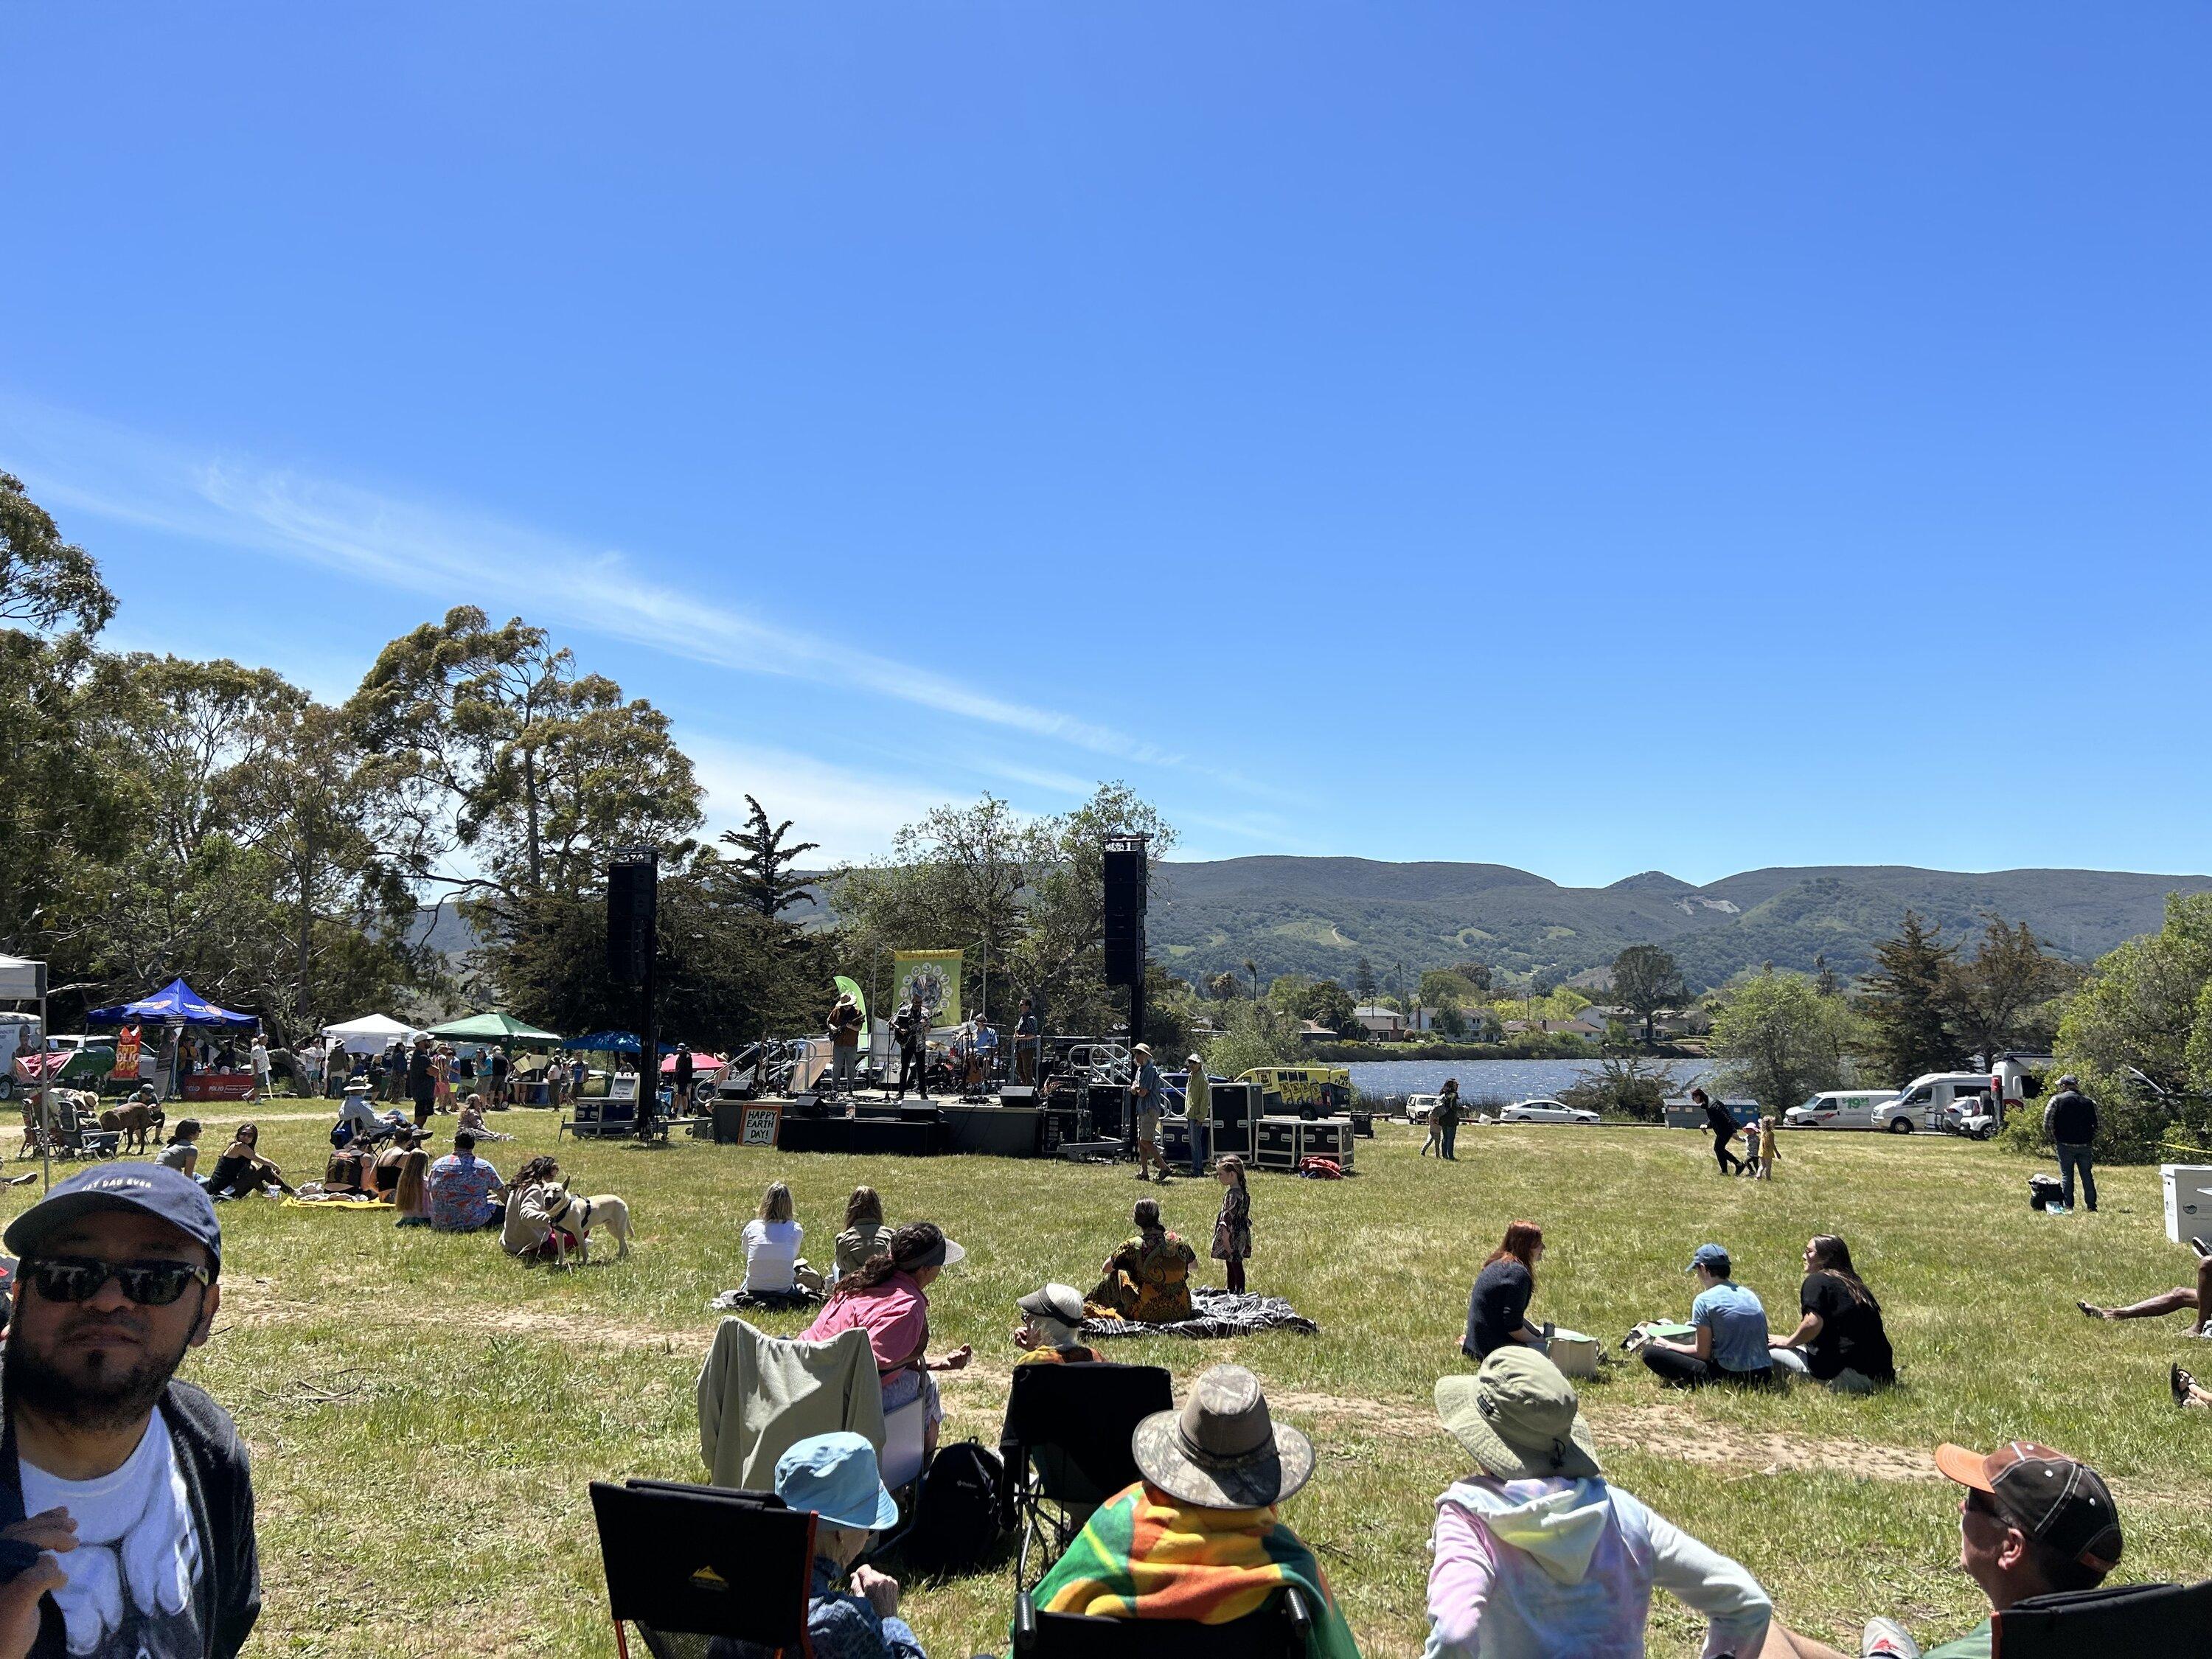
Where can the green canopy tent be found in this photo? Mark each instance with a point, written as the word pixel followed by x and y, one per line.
pixel 492 1027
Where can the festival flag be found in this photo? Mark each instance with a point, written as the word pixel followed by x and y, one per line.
pixel 935 974
pixel 126 1055
pixel 851 988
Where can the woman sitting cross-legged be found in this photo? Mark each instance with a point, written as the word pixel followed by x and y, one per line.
pixel 1497 1308
pixel 1731 1338
pixel 1840 1340
pixel 241 1168
pixel 889 1298
pixel 1535 1556
pixel 1147 1280
pixel 775 1271
pixel 866 1233
pixel 851 1612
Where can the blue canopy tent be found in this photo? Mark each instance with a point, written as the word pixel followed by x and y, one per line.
pixel 175 1003
pixel 606 1042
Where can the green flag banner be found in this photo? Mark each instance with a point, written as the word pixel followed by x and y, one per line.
pixel 849 988
pixel 933 974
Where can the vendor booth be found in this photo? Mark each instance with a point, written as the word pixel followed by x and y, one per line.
pixel 178 1007
pixel 503 1029
pixel 372 1034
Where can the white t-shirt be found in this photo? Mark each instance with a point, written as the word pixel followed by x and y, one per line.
pixel 771 1253
pixel 137 1555
pixel 260 1061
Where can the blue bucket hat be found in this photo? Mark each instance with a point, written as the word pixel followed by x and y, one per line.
pixel 835 1476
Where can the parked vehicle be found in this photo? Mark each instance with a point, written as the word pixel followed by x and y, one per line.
pixel 1419 1108
pixel 18 1033
pixel 1545 1111
pixel 1924 1102
pixel 1307 1091
pixel 1838 1108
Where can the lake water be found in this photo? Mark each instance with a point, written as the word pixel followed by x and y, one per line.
pixel 1482 1080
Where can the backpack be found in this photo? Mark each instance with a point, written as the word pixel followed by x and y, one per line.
pixel 2044 1191
pixel 341 1136
pixel 1320 1169
pixel 955 1525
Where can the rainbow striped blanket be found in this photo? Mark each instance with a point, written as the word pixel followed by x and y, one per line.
pixel 1143 1555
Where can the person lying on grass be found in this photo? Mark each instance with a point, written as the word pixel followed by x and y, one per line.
pixel 1199 1537
pixel 1147 1280
pixel 2182 1298
pixel 1536 1556
pixel 1839 1339
pixel 2034 1521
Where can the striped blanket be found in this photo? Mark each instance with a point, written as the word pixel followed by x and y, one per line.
pixel 1143 1555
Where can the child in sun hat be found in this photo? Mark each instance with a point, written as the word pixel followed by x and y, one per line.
pixel 851 1614
pixel 1537 1556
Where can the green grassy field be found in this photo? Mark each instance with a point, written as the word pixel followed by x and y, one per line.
pixel 425 1413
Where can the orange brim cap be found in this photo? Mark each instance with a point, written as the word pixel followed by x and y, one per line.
pixel 1968 1469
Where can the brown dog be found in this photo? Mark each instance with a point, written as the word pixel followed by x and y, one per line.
pixel 136 1121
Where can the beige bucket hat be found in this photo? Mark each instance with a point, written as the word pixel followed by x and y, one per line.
pixel 1224 1450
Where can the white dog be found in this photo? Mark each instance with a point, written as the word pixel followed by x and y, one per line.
pixel 566 1212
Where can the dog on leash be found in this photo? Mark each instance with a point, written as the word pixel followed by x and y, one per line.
pixel 571 1214
pixel 136 1121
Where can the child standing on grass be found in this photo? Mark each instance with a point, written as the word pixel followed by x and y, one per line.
pixel 1232 1228
pixel 1766 1149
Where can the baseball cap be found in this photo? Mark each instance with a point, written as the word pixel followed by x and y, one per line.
pixel 835 1476
pixel 169 1194
pixel 1713 1258
pixel 2061 1503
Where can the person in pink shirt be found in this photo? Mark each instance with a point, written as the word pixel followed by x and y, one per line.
pixel 888 1298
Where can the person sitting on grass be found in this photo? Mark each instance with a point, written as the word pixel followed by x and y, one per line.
pixel 2034 1521
pixel 866 1233
pixel 348 1173
pixel 466 1192
pixel 1199 1538
pixel 182 1154
pixel 472 1120
pixel 889 1298
pixel 526 1224
pixel 1731 1335
pixel 411 1197
pixel 384 1173
pixel 242 1171
pixel 1052 1319
pixel 775 1271
pixel 1536 1556
pixel 2182 1298
pixel 1839 1340
pixel 852 1612
pixel 1497 1308
pixel 1147 1280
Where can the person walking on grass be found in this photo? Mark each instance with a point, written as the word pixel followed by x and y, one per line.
pixel 1233 1227
pixel 2070 1120
pixel 1766 1149
pixel 1721 1122
pixel 1144 1096
pixel 1445 1121
pixel 1198 1114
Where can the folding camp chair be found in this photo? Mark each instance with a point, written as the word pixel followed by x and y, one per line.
pixel 695 1567
pixel 2174 1622
pixel 1277 1631
pixel 1065 1443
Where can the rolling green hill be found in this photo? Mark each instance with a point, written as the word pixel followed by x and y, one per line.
pixel 1320 915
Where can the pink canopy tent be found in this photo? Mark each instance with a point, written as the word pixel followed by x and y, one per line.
pixel 700 1064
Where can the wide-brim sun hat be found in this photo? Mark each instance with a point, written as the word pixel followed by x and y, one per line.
pixel 1223 1450
pixel 1518 1417
pixel 836 1475
pixel 1061 1301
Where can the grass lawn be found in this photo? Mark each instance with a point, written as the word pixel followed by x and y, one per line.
pixel 424 1413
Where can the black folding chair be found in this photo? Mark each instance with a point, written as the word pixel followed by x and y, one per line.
pixel 696 1568
pixel 2172 1621
pixel 1277 1631
pixel 1065 1444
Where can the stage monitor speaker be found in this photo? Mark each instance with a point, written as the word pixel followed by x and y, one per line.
pixel 1124 896
pixel 1109 1104
pixel 1017 1094
pixel 633 898
pixel 729 1122
pixel 1235 1104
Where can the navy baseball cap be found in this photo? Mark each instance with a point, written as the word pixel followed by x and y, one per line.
pixel 1713 1258
pixel 169 1194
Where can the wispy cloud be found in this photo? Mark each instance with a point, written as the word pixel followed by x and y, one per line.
pixel 851 814
pixel 97 467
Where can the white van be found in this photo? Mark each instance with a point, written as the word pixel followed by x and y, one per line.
pixel 1926 1100
pixel 1838 1108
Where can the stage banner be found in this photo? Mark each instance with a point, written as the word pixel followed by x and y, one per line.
pixel 851 988
pixel 126 1055
pixel 936 976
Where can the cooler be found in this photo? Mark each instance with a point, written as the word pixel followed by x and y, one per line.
pixel 2188 1201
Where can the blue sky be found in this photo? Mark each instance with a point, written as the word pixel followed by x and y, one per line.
pixel 1591 438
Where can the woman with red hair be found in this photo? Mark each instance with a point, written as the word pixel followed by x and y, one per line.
pixel 1498 1311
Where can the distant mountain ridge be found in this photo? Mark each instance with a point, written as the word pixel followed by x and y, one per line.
pixel 1320 915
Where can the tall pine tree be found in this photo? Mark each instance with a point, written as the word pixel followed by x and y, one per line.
pixel 1903 1004
pixel 761 872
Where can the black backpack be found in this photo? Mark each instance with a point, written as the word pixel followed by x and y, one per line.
pixel 955 1525
pixel 2044 1191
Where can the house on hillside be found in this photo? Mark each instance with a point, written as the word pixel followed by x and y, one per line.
pixel 1380 1022
pixel 1312 1030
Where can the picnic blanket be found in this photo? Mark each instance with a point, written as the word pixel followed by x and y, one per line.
pixel 374 1206
pixel 1218 1313
pixel 779 1301
pixel 1137 1557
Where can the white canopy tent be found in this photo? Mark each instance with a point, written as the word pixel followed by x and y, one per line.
pixel 370 1035
pixel 21 981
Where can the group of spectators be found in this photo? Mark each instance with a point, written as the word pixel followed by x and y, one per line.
pixel 423 1069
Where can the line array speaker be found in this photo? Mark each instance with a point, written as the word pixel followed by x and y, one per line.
pixel 1125 909
pixel 633 898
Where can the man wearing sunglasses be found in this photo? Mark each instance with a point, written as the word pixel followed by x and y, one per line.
pixel 135 1486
